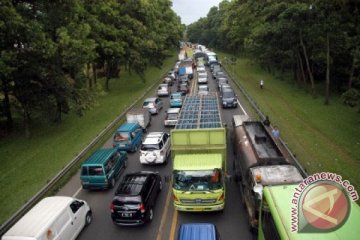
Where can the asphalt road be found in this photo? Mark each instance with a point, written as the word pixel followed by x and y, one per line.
pixel 231 223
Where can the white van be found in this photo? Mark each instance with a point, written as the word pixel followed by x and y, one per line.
pixel 53 218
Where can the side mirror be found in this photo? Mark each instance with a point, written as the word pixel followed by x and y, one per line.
pixel 258 188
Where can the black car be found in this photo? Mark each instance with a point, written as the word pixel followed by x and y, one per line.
pixel 228 98
pixel 135 198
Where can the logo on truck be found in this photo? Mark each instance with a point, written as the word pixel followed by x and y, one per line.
pixel 321 203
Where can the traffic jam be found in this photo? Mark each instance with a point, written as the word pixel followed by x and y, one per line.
pixel 187 163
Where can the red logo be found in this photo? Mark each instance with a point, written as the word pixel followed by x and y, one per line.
pixel 325 206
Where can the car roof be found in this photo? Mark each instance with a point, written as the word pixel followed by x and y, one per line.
pixel 126 127
pixel 197 231
pixel 153 138
pixel 132 184
pixel 173 110
pixel 152 99
pixel 99 156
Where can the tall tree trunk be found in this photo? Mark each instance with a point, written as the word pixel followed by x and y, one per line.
pixel 327 87
pixel 351 74
pixel 311 77
pixel 302 72
pixel 26 119
pixel 58 112
pixel 94 69
pixel 88 75
pixel 7 109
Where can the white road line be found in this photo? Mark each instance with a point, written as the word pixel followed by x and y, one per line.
pixel 77 192
pixel 242 108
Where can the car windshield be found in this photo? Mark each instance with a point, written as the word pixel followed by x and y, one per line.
pixel 172 116
pixel 149 147
pixel 121 136
pixel 205 180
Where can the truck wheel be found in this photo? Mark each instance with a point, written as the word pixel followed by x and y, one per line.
pixel 88 218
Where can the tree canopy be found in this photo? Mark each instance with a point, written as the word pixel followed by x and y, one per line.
pixel 52 51
pixel 317 41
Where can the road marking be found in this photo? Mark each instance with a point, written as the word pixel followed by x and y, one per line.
pixel 77 192
pixel 242 107
pixel 173 225
pixel 164 215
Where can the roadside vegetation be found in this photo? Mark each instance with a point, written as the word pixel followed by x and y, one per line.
pixel 323 138
pixel 27 164
pixel 67 69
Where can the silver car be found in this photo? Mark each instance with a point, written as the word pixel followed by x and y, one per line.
pixel 202 77
pixel 163 90
pixel 153 104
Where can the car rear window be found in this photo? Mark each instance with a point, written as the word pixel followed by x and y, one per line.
pixel 172 116
pixel 121 137
pixel 228 94
pixel 121 200
pixel 148 147
pixel 95 171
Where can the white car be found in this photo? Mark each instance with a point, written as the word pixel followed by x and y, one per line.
pixel 163 90
pixel 201 68
pixel 202 77
pixel 203 90
pixel 155 149
pixel 172 115
pixel 153 104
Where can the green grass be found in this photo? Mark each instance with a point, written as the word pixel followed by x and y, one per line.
pixel 324 138
pixel 28 164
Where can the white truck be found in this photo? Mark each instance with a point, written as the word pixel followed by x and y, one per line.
pixel 139 115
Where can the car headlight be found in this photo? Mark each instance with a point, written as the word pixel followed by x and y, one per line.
pixel 224 103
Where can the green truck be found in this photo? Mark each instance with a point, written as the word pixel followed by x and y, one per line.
pixel 198 146
pixel 277 221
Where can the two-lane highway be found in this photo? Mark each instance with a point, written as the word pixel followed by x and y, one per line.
pixel 231 223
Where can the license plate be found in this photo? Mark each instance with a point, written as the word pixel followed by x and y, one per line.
pixel 198 209
pixel 126 214
pixel 121 145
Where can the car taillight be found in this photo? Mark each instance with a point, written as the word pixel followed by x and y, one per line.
pixel 221 198
pixel 114 145
pixel 112 207
pixel 142 208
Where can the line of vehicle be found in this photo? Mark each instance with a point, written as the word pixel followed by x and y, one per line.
pixel 164 215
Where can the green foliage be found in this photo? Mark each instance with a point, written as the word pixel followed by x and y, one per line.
pixel 323 138
pixel 52 51
pixel 316 41
pixel 351 97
